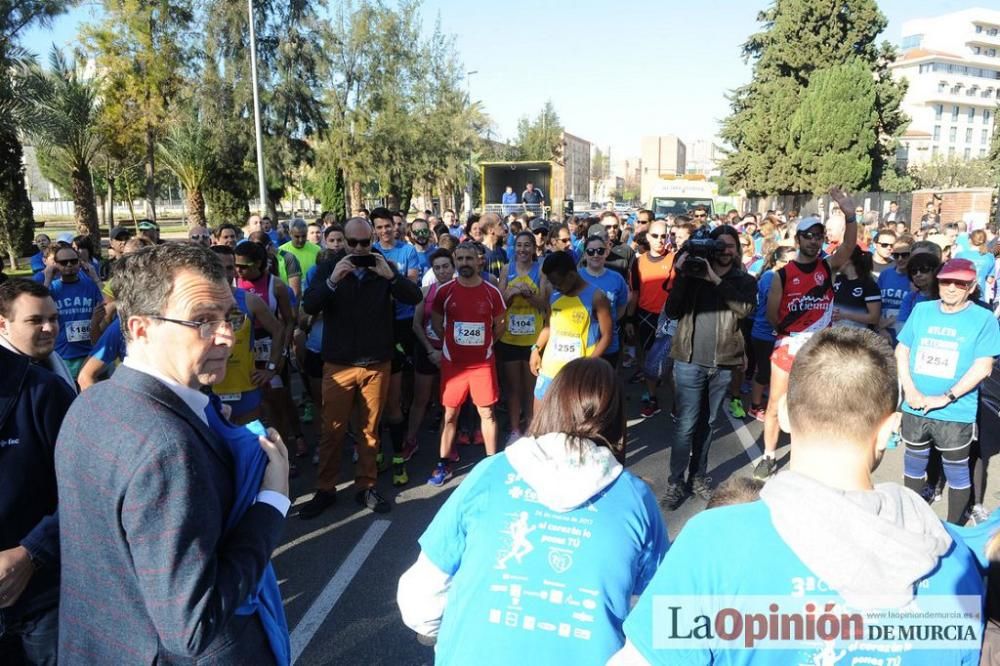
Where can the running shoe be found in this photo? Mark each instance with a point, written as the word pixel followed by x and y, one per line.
pixel 410 447
pixel 672 496
pixel 765 468
pixel 371 499
pixel 736 408
pixel 650 408
pixel 701 486
pixel 440 476
pixel 463 439
pixel 758 413
pixel 399 475
pixel 628 361
pixel 977 514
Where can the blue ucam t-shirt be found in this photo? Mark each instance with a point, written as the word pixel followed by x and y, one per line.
pixel 762 328
pixel 719 555
pixel 894 286
pixel 943 346
pixel 532 585
pixel 76 302
pixel 614 287
pixel 405 258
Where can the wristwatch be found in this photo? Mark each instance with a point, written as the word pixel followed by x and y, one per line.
pixel 271 366
pixel 951 396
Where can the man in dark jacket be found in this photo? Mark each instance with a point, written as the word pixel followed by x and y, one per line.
pixel 708 299
pixel 33 402
pixel 354 291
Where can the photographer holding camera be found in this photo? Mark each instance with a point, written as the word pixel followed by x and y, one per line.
pixel 710 295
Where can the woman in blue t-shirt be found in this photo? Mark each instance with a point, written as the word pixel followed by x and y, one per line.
pixel 539 552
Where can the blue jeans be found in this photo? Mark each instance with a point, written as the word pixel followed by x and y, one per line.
pixel 30 639
pixel 699 394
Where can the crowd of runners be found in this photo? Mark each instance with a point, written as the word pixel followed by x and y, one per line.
pixel 153 402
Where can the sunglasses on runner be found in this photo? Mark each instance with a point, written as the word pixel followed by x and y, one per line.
pixel 900 255
pixel 245 267
pixel 961 284
pixel 363 242
pixel 920 269
pixel 68 262
pixel 886 244
pixel 656 236
pixel 596 251
pixel 811 235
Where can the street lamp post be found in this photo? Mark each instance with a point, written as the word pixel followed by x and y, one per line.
pixel 261 184
pixel 468 184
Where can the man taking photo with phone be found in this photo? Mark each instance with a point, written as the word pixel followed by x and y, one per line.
pixel 355 292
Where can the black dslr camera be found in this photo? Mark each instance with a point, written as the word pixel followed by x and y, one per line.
pixel 700 249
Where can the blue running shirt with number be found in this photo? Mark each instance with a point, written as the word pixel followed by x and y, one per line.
pixel 76 302
pixel 943 346
pixel 533 585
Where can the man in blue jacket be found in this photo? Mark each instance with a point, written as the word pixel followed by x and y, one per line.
pixel 33 402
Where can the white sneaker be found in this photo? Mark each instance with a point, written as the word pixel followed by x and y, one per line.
pixel 978 514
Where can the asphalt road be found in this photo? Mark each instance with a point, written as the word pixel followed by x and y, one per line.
pixel 338 572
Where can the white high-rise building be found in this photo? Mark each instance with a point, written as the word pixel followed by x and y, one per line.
pixel 952 64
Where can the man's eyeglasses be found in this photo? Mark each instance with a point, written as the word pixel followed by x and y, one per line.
pixel 539 232
pixel 68 262
pixel 421 233
pixel 900 255
pixel 245 267
pixel 199 236
pixel 885 245
pixel 563 240
pixel 656 236
pixel 363 242
pixel 208 329
pixel 596 251
pixel 811 235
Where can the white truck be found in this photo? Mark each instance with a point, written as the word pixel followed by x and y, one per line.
pixel 678 196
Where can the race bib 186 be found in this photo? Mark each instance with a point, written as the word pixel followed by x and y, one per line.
pixel 521 324
pixel 78 331
pixel 470 334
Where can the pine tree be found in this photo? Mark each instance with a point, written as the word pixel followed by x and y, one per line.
pixel 799 38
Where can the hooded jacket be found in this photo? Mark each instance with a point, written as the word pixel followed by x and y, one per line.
pixel 547 514
pixel 33 402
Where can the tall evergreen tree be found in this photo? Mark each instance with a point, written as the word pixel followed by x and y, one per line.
pixel 17 97
pixel 798 38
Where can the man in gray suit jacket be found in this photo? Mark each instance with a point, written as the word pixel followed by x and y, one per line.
pixel 148 572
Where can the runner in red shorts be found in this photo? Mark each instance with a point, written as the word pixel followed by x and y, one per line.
pixel 467 315
pixel 799 304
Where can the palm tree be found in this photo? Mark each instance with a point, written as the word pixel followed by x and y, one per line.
pixel 66 129
pixel 187 152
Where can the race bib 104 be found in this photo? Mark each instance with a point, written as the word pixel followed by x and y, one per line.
pixel 521 324
pixel 470 334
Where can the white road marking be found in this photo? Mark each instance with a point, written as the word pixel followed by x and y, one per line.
pixel 746 438
pixel 327 599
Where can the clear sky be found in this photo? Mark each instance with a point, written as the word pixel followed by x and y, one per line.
pixel 615 70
